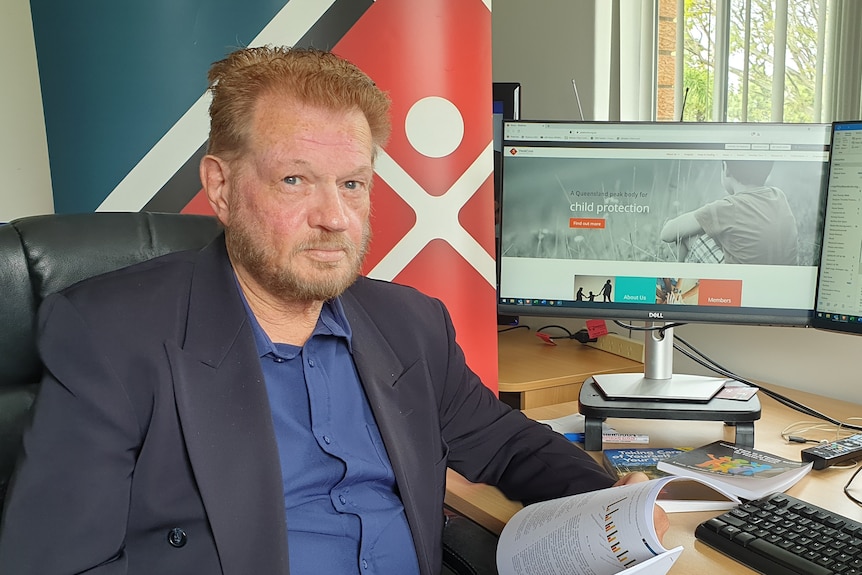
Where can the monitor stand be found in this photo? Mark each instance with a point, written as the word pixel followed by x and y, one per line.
pixel 659 394
pixel 639 386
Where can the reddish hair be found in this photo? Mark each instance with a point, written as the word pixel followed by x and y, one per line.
pixel 311 76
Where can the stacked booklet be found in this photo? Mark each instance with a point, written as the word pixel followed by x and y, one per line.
pixel 742 471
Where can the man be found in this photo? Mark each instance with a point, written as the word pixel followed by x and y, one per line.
pixel 257 403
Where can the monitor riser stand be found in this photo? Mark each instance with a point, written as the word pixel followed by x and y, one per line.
pixel 658 393
pixel 595 408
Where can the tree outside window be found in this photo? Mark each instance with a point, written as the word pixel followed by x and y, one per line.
pixel 772 66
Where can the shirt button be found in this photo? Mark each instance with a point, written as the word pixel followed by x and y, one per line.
pixel 342 499
pixel 279 360
pixel 364 564
pixel 311 362
pixel 326 440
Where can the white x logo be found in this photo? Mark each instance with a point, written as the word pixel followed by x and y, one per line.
pixel 436 217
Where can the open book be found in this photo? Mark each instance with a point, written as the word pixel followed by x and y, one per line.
pixel 602 532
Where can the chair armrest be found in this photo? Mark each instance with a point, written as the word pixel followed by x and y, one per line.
pixel 468 548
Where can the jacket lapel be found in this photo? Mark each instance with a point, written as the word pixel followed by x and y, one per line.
pixel 225 417
pixel 400 405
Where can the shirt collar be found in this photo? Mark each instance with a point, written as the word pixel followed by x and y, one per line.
pixel 332 321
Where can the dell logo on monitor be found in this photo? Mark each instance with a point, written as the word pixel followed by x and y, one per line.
pixel 656 315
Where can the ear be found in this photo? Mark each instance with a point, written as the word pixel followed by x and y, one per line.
pixel 214 173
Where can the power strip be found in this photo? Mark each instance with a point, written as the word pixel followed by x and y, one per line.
pixel 620 345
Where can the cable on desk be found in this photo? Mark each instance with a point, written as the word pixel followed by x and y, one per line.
pixel 582 335
pixel 705 361
pixel 793 433
pixel 512 327
pixel 659 328
pixel 784 400
pixel 847 488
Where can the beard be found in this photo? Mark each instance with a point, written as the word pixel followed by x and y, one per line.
pixel 284 279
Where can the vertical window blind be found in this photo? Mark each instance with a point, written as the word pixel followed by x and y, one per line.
pixel 730 60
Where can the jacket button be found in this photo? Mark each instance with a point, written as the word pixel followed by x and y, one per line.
pixel 177 537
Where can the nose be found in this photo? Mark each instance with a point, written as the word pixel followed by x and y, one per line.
pixel 329 211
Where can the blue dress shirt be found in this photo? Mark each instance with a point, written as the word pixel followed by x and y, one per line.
pixel 343 512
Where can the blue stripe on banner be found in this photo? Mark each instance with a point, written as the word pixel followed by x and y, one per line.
pixel 116 76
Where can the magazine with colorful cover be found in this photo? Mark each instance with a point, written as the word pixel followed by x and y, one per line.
pixel 746 472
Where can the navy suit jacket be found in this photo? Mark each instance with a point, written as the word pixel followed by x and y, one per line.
pixel 151 449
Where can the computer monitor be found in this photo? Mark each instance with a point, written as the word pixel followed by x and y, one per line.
pixel 839 286
pixel 662 222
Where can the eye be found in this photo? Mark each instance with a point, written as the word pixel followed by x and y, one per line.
pixel 291 180
pixel 356 185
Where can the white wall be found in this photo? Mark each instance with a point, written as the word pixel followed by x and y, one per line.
pixel 543 44
pixel 546 54
pixel 23 148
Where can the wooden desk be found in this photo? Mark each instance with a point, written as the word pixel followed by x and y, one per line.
pixel 533 373
pixel 487 505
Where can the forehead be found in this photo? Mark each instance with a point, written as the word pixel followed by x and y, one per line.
pixel 282 119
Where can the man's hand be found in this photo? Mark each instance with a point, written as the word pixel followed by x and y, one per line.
pixel 658 515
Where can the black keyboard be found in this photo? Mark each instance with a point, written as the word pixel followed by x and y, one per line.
pixel 782 535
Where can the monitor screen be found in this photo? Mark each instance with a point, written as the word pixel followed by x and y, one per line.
pixel 662 221
pixel 839 287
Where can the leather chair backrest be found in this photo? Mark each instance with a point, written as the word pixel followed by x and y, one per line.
pixel 40 255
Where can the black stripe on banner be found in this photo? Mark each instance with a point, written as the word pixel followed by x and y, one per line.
pixel 181 188
pixel 334 24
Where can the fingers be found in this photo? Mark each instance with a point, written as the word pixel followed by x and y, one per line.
pixel 634 477
pixel 662 523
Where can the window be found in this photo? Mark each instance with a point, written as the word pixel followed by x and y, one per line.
pixel 734 60
pixel 757 60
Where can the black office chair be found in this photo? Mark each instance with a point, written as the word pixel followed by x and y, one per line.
pixel 40 255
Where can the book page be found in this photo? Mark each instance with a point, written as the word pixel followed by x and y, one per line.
pixel 597 533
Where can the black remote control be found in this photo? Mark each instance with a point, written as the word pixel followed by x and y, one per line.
pixel 827 454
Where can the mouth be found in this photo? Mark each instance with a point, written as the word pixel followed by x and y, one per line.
pixel 326 254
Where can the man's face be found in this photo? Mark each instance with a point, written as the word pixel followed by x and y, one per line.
pixel 299 200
